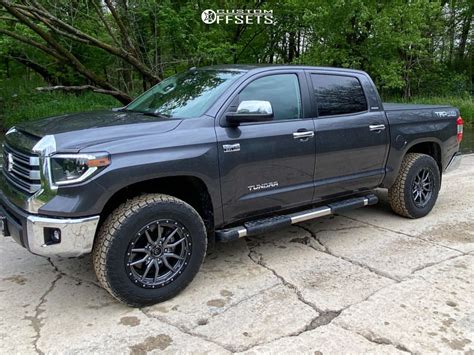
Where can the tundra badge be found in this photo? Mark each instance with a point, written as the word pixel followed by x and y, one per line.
pixel 265 185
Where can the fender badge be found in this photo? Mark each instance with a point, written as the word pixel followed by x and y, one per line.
pixel 231 148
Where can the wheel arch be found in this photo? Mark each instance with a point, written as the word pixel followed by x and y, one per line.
pixel 190 189
pixel 430 146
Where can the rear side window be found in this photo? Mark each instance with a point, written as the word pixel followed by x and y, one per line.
pixel 283 92
pixel 338 95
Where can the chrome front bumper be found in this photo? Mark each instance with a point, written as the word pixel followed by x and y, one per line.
pixel 34 232
pixel 454 163
pixel 77 235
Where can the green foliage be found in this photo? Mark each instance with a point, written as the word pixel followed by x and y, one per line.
pixel 399 43
pixel 412 49
pixel 20 102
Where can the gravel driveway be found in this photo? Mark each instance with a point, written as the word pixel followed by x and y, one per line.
pixel 362 282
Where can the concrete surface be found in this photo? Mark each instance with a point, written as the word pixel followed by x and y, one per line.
pixel 364 282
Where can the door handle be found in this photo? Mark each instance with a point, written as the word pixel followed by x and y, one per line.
pixel 303 134
pixel 377 127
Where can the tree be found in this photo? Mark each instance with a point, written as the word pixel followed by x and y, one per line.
pixel 121 47
pixel 55 37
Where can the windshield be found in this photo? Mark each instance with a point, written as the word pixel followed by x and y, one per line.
pixel 184 95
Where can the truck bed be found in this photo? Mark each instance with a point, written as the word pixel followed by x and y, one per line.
pixel 388 106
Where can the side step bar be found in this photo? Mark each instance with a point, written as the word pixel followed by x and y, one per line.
pixel 273 223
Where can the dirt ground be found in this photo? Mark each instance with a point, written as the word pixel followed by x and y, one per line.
pixel 363 282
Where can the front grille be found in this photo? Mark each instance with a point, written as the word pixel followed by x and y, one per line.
pixel 21 170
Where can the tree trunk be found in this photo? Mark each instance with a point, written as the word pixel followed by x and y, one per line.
pixel 466 27
pixel 7 67
pixel 452 30
pixel 291 47
pixel 47 76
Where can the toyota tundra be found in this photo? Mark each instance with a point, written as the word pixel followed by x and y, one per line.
pixel 215 154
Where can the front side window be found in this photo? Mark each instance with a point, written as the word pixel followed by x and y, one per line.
pixel 281 90
pixel 184 95
pixel 338 95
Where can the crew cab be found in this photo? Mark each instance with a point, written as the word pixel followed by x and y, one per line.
pixel 215 154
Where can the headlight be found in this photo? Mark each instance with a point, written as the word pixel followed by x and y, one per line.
pixel 74 168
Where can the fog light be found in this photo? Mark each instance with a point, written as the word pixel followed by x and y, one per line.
pixel 56 235
pixel 52 236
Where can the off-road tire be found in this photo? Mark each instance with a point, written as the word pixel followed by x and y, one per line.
pixel 400 193
pixel 116 233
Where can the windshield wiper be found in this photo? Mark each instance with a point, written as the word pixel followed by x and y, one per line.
pixel 156 114
pixel 147 113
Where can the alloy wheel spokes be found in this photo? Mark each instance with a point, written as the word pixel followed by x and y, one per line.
pixel 172 255
pixel 426 176
pixel 418 196
pixel 422 188
pixel 140 261
pixel 147 270
pixel 148 237
pixel 167 264
pixel 173 245
pixel 170 236
pixel 157 270
pixel 159 252
pixel 160 230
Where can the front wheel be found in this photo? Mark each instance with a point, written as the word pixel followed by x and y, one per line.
pixel 149 249
pixel 416 188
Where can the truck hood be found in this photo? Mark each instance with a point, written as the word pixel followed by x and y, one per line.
pixel 74 132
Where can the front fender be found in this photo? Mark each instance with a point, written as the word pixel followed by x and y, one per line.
pixel 140 161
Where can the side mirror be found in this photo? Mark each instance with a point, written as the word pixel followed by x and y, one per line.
pixel 251 111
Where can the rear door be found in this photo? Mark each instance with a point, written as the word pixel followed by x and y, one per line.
pixel 267 166
pixel 351 136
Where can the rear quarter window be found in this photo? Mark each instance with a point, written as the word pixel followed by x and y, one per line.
pixel 338 95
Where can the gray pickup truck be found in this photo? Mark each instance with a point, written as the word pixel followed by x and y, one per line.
pixel 215 154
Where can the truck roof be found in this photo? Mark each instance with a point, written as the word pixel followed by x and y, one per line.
pixel 263 67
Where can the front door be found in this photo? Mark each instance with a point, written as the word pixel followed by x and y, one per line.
pixel 268 166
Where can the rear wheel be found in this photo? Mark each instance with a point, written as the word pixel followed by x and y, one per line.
pixel 416 188
pixel 149 249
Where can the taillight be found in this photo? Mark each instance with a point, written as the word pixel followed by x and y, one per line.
pixel 459 123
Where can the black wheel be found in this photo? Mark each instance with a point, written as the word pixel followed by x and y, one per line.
pixel 416 188
pixel 149 249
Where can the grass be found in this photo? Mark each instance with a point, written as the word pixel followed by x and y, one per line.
pixel 19 102
pixel 464 103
